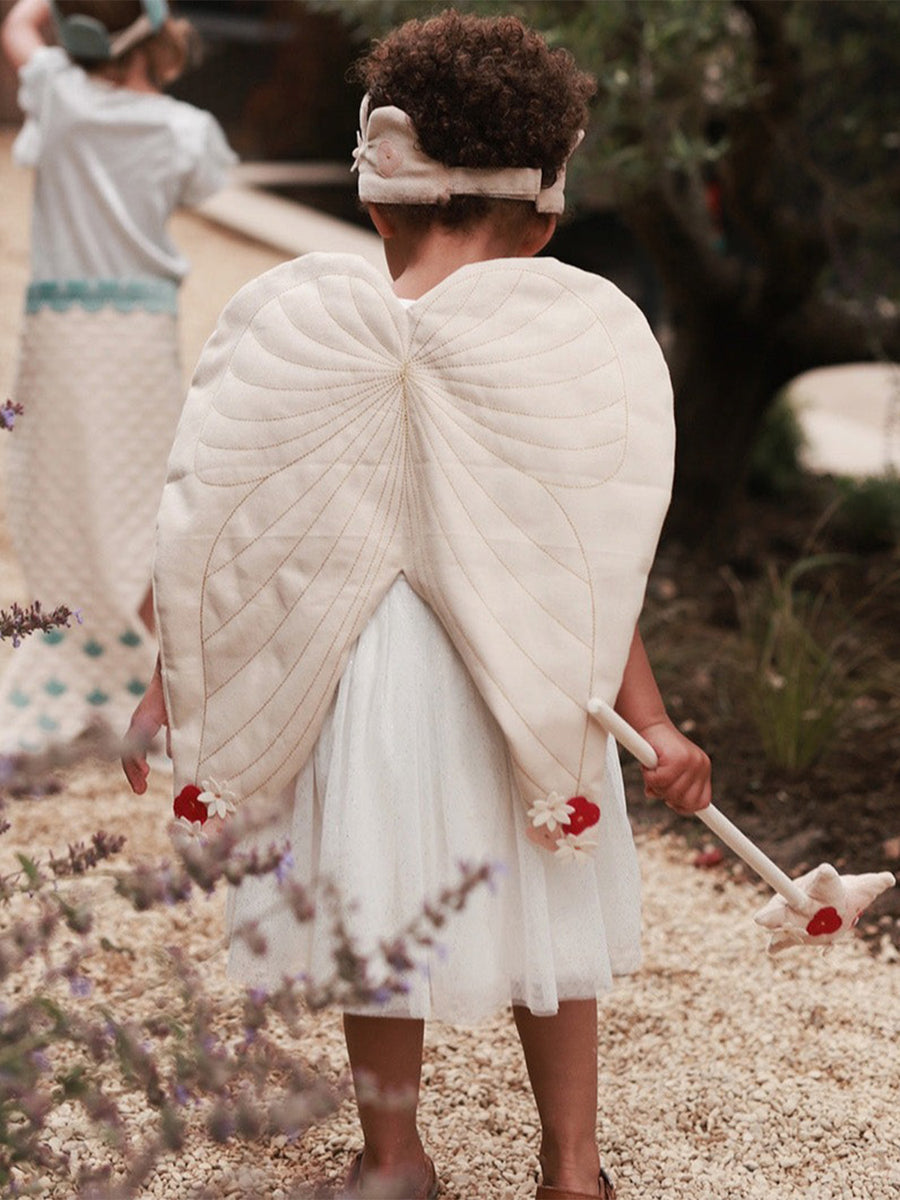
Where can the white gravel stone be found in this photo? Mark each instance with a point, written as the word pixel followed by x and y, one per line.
pixel 723 1073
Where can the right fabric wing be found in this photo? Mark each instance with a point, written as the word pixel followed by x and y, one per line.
pixel 543 437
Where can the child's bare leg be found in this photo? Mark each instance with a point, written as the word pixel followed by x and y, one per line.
pixel 561 1057
pixel 386 1060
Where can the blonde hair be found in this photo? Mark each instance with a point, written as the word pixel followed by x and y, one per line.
pixel 167 52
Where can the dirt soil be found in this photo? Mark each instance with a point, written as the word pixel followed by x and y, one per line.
pixel 844 807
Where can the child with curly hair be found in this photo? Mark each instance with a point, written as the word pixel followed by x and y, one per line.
pixel 405 538
pixel 98 374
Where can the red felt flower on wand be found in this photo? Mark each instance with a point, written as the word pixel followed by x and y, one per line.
pixel 189 806
pixel 826 920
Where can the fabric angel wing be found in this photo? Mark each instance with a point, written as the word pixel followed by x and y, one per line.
pixel 506 443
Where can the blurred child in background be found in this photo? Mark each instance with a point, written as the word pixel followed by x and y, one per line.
pixel 98 373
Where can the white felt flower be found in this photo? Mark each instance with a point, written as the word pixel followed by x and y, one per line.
pixel 219 800
pixel 361 147
pixel 183 828
pixel 575 847
pixel 362 134
pixel 553 811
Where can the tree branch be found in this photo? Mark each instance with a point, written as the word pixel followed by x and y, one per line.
pixel 826 332
pixel 790 245
pixel 687 262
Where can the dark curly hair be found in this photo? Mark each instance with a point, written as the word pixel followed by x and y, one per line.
pixel 480 92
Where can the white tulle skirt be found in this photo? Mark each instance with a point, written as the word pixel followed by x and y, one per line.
pixel 410 778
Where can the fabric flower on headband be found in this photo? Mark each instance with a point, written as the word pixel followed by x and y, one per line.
pixel 394 169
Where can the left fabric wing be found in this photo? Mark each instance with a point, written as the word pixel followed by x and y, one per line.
pixel 278 529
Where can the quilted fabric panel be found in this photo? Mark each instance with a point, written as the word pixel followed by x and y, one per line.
pixel 506 442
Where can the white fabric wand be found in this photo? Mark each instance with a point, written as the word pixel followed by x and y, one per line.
pixel 820 906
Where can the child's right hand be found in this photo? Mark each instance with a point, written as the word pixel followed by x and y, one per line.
pixel 146 721
pixel 23 30
pixel 683 775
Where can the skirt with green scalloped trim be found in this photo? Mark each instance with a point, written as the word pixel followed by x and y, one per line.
pixel 101 393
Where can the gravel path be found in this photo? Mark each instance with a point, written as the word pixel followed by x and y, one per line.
pixel 725 1074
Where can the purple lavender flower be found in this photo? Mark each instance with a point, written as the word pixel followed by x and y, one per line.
pixel 284 866
pixel 495 871
pixel 41 1061
pixel 18 622
pixel 79 985
pixel 8 414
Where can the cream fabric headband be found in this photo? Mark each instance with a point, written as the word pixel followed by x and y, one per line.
pixel 393 169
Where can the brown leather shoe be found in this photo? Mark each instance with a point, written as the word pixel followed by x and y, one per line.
pixel 607 1191
pixel 382 1188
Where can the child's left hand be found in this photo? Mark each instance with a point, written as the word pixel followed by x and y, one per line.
pixel 146 721
pixel 683 776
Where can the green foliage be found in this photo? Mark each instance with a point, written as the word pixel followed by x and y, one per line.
pixel 868 516
pixel 654 62
pixel 750 146
pixel 775 469
pixel 673 73
pixel 801 658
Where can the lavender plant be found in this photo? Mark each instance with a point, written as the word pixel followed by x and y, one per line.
pixel 17 622
pixel 8 414
pixel 60 1045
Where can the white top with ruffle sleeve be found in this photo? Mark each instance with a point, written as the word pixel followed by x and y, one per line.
pixel 112 165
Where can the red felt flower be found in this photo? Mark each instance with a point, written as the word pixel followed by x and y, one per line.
pixel 826 920
pixel 708 858
pixel 188 804
pixel 585 813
